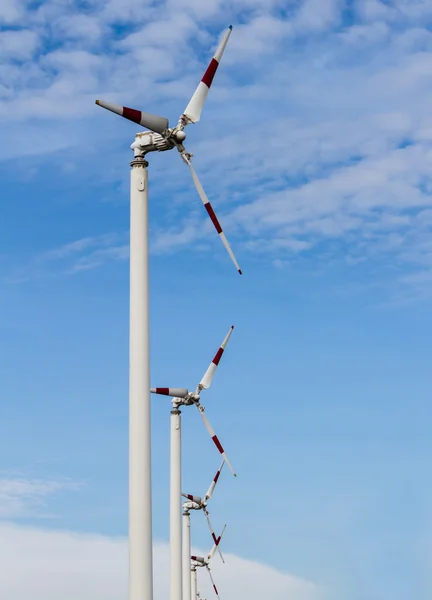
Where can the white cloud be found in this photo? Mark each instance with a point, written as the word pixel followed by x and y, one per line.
pixel 10 11
pixel 373 9
pixel 316 15
pixel 18 45
pixel 27 497
pixel 318 130
pixel 260 36
pixel 84 254
pixel 72 249
pixel 396 10
pixel 99 257
pixel 80 26
pixel 73 257
pixel 420 9
pixel 47 565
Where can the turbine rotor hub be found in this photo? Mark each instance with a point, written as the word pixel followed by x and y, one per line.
pixel 180 136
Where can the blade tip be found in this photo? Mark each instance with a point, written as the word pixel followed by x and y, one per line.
pixel 240 272
pixel 230 27
pixel 97 102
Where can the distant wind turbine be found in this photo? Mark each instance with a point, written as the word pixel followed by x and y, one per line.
pixel 182 397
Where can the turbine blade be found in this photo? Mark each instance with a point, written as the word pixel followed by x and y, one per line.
pixel 195 499
pixel 211 212
pixel 216 545
pixel 205 382
pixel 152 122
pixel 174 392
pixel 213 483
pixel 213 583
pixel 194 108
pixel 215 539
pixel 215 438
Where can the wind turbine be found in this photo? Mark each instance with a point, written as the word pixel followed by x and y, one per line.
pixel 196 503
pixel 159 138
pixel 182 397
pixel 199 561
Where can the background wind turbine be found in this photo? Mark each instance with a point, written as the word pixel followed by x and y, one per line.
pixel 199 561
pixel 182 397
pixel 196 503
pixel 160 138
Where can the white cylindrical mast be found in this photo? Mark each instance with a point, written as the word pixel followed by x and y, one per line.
pixel 194 587
pixel 186 556
pixel 140 501
pixel 175 507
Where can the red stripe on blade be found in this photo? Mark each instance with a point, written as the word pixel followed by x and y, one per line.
pixel 213 217
pixel 218 444
pixel 132 114
pixel 218 356
pixel 210 73
pixel 215 539
pixel 215 589
pixel 216 477
pixel 163 391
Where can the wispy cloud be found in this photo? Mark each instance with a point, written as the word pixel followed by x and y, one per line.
pixel 320 127
pixel 23 498
pixel 90 253
pixel 72 257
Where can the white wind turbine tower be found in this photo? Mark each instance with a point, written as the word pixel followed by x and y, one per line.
pixel 199 561
pixel 196 503
pixel 182 397
pixel 160 138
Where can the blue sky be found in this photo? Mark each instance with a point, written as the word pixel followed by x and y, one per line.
pixel 315 148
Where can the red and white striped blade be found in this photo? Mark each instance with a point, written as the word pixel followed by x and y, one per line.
pixel 215 438
pixel 195 499
pixel 194 108
pixel 216 540
pixel 213 583
pixel 216 545
pixel 211 213
pixel 152 122
pixel 205 382
pixel 213 483
pixel 174 392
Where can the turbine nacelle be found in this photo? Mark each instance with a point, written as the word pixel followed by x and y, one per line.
pixel 191 506
pixel 149 141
